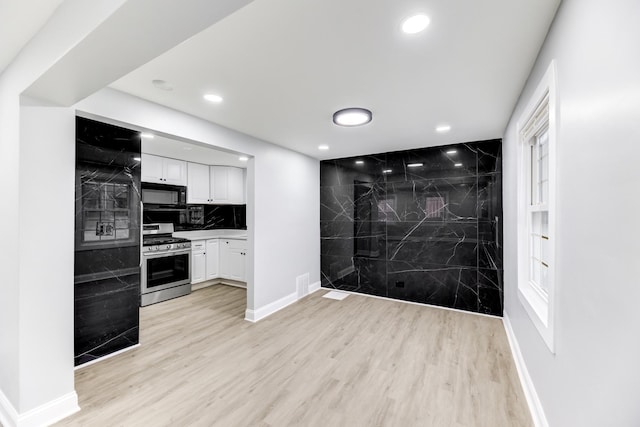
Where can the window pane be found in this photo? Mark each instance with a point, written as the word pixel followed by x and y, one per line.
pixel 544 223
pixel 544 279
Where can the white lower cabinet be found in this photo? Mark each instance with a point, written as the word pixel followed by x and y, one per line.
pixel 233 255
pixel 218 259
pixel 212 259
pixel 198 261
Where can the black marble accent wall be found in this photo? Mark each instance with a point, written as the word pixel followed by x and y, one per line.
pixel 107 240
pixel 420 225
pixel 200 217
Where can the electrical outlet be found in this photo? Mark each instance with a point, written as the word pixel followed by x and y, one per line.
pixel 400 284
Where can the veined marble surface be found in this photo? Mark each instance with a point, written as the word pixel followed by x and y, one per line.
pixel 420 225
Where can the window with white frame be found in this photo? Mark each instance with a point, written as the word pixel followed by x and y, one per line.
pixel 536 210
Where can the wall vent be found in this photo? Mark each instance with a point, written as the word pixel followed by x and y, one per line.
pixel 302 285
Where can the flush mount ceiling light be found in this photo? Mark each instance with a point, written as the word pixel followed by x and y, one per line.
pixel 443 128
pixel 415 24
pixel 243 158
pixel 212 97
pixel 323 147
pixel 359 162
pixel 352 117
pixel 146 135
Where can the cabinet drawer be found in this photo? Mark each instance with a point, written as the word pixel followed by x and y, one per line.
pixel 198 245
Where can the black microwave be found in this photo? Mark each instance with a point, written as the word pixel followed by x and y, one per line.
pixel 163 196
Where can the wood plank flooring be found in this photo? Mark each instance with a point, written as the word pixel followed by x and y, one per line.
pixel 319 362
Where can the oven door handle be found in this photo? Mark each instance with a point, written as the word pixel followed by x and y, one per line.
pixel 150 255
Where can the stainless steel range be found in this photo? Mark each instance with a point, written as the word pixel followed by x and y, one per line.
pixel 166 264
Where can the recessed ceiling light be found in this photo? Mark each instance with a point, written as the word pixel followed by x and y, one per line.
pixel 443 128
pixel 146 135
pixel 161 84
pixel 414 165
pixel 359 162
pixel 452 151
pixel 415 24
pixel 457 165
pixel 137 159
pixel 212 97
pixel 323 147
pixel 243 158
pixel 387 171
pixel 352 117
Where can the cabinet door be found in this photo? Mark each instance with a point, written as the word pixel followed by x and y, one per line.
pixel 198 267
pixel 151 168
pixel 175 172
pixel 235 181
pixel 197 183
pixel 220 184
pixel 237 260
pixel 223 266
pixel 212 259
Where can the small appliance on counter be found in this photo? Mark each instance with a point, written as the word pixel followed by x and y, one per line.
pixel 166 264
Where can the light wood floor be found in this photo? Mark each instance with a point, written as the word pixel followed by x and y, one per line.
pixel 319 362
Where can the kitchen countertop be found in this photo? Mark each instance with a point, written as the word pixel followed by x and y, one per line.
pixel 212 234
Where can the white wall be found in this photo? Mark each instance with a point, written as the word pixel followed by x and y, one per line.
pixel 594 377
pixel 283 192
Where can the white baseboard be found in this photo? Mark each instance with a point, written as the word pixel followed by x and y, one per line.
pixel 43 415
pixel 314 287
pixel 262 312
pixel 535 406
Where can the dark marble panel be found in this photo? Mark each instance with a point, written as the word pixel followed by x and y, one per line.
pixel 490 291
pixel 443 243
pixel 453 287
pixel 437 162
pixel 354 274
pixel 489 156
pixel 430 234
pixel 357 238
pixel 363 169
pixel 106 316
pixel 432 200
pixel 352 202
pixel 489 196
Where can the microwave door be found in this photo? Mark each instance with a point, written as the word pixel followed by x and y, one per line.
pixel 159 197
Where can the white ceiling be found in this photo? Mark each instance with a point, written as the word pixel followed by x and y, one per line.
pixel 284 66
pixel 190 152
pixel 19 21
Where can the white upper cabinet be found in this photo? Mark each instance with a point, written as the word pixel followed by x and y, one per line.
pixel 162 170
pixel 235 185
pixel 198 184
pixel 215 185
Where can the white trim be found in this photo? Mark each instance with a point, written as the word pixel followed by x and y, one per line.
pixel 475 313
pixel 269 309
pixel 535 406
pixel 100 359
pixel 541 312
pixel 314 287
pixel 43 415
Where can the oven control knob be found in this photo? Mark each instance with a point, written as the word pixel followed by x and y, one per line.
pixel 168 247
pixel 155 248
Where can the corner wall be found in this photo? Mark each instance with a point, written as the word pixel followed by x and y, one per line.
pixel 593 379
